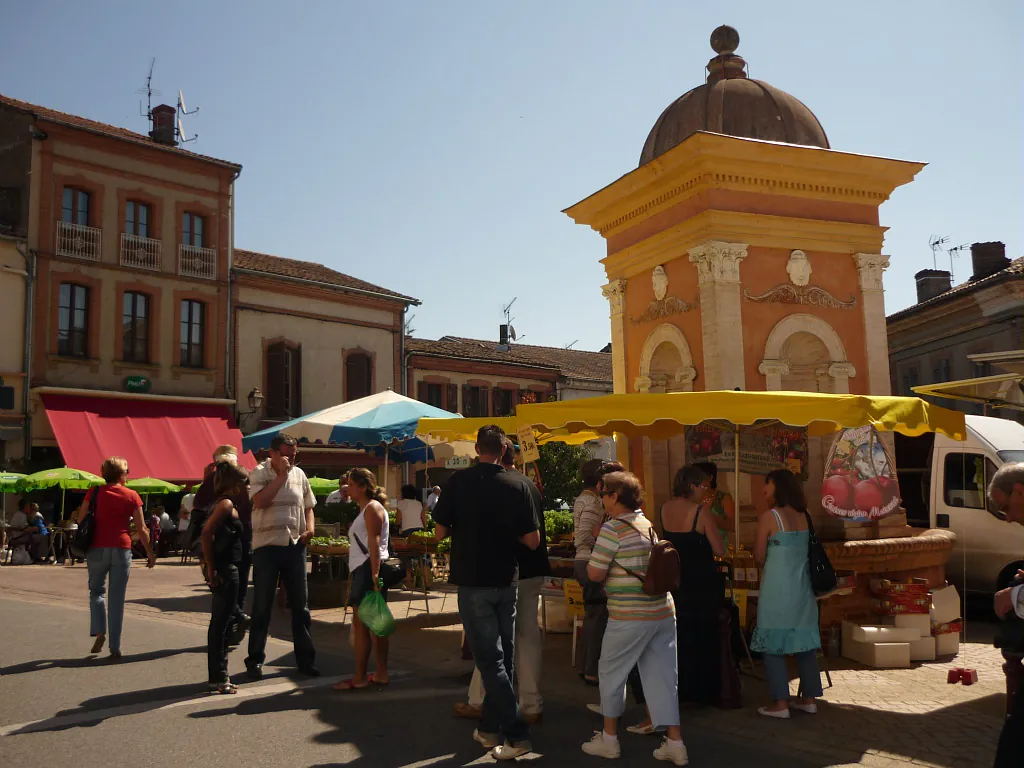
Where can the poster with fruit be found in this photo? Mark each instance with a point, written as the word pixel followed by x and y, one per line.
pixel 763 448
pixel 860 477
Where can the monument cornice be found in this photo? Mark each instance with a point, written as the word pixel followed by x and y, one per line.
pixel 749 228
pixel 708 161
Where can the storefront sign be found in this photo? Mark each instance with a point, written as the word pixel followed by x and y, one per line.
pixel 762 448
pixel 860 481
pixel 528 444
pixel 137 384
pixel 459 462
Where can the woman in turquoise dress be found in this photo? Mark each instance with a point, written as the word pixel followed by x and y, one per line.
pixel 787 614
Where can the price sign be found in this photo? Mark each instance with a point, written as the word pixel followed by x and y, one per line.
pixel 528 444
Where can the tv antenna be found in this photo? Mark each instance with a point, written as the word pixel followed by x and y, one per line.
pixel 956 251
pixel 148 92
pixel 180 110
pixel 409 330
pixel 571 344
pixel 507 312
pixel 935 243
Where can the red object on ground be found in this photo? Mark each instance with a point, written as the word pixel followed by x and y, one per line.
pixel 168 440
pixel 969 677
pixel 955 675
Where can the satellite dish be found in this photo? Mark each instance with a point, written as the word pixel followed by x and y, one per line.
pixel 181 131
pixel 181 101
pixel 512 333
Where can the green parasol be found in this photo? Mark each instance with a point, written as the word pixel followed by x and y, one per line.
pixel 64 478
pixel 322 486
pixel 8 482
pixel 144 486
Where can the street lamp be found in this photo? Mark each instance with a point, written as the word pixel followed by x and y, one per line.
pixel 255 403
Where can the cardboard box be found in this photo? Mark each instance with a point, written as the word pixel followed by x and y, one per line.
pixel 923 649
pixel 878 655
pixel 947 644
pixel 882 634
pixel 920 622
pixel 945 605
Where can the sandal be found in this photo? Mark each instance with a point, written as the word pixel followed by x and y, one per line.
pixel 373 680
pixel 349 685
pixel 226 688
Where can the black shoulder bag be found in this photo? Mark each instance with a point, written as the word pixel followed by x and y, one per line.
pixel 823 575
pixel 82 540
pixel 392 572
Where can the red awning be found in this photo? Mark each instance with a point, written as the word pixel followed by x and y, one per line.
pixel 168 440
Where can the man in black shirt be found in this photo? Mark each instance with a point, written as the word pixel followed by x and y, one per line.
pixel 533 567
pixel 489 512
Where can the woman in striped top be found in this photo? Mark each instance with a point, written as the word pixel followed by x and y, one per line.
pixel 641 628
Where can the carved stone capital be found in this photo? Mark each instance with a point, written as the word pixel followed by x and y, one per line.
pixel 686 374
pixel 615 292
pixel 718 261
pixel 773 368
pixel 870 267
pixel 843 369
pixel 642 384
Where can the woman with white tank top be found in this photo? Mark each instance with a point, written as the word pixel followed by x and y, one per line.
pixel 368 547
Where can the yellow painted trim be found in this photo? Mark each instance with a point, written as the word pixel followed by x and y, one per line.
pixel 711 161
pixel 750 228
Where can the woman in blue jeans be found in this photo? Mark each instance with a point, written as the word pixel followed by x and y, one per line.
pixel 113 507
pixel 787 614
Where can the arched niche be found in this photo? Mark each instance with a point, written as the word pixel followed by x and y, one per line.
pixel 666 364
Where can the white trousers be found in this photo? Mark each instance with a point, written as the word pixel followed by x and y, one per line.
pixel 529 653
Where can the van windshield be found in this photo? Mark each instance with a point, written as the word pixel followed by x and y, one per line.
pixel 1011 457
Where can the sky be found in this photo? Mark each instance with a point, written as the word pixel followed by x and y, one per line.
pixel 430 147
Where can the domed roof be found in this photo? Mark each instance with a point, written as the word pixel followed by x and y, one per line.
pixel 733 104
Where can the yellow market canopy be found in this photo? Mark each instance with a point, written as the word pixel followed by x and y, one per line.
pixel 660 416
pixel 1001 391
pixel 453 430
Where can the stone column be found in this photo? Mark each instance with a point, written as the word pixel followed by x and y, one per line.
pixel 773 371
pixel 718 274
pixel 615 292
pixel 870 267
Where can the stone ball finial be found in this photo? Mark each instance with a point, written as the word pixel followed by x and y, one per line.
pixel 725 40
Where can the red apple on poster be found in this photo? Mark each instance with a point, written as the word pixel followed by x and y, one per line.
pixel 840 489
pixel 867 495
pixel 705 446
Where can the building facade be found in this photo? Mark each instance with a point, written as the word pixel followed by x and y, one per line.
pixel 743 253
pixel 954 333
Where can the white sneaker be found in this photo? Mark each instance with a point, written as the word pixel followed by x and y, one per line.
pixel 509 751
pixel 601 748
pixel 671 753
pixel 810 709
pixel 486 740
pixel 595 708
pixel 781 714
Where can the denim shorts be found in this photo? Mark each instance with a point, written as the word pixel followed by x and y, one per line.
pixel 361 585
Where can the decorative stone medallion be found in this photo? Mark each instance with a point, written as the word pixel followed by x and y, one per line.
pixel 799 291
pixel 663 305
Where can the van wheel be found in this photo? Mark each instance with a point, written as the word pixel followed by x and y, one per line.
pixel 1008 575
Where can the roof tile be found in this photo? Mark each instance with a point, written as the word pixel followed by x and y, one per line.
pixel 571 363
pixel 1014 271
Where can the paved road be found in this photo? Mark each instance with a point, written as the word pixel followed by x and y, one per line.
pixel 59 706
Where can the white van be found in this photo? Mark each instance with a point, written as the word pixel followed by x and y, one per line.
pixel 943 484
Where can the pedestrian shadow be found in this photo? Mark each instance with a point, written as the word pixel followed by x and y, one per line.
pixel 95 660
pixel 195 603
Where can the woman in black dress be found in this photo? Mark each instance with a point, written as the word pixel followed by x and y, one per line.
pixel 692 530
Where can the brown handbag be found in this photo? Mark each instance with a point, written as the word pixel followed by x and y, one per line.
pixel 662 568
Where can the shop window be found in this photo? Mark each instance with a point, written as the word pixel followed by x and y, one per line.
pixel 73 321
pixel 284 381
pixel 358 376
pixel 75 206
pixel 192 230
pixel 475 401
pixel 136 218
pixel 135 327
pixel 966 479
pixel 193 322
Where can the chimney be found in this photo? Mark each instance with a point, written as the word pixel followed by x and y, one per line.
pixel 163 125
pixel 503 335
pixel 987 259
pixel 932 283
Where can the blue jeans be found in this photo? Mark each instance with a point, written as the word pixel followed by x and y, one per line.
pixel 650 646
pixel 117 563
pixel 489 618
pixel 290 564
pixel 778 675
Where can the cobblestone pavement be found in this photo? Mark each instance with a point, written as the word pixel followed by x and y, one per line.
pixel 877 718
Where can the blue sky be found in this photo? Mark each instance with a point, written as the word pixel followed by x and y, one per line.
pixel 430 147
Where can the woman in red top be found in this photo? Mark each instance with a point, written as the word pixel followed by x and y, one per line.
pixel 111 550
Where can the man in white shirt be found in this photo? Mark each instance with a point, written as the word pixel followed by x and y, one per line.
pixel 282 525
pixel 1006 492
pixel 435 494
pixel 339 496
pixel 185 512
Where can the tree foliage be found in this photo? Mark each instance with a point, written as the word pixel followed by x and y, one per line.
pixel 560 472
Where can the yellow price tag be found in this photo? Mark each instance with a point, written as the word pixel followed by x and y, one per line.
pixel 528 444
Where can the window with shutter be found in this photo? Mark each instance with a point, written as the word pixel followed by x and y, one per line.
pixel 451 402
pixel 421 391
pixel 358 376
pixel 275 397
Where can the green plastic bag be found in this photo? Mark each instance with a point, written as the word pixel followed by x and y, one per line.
pixel 374 613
